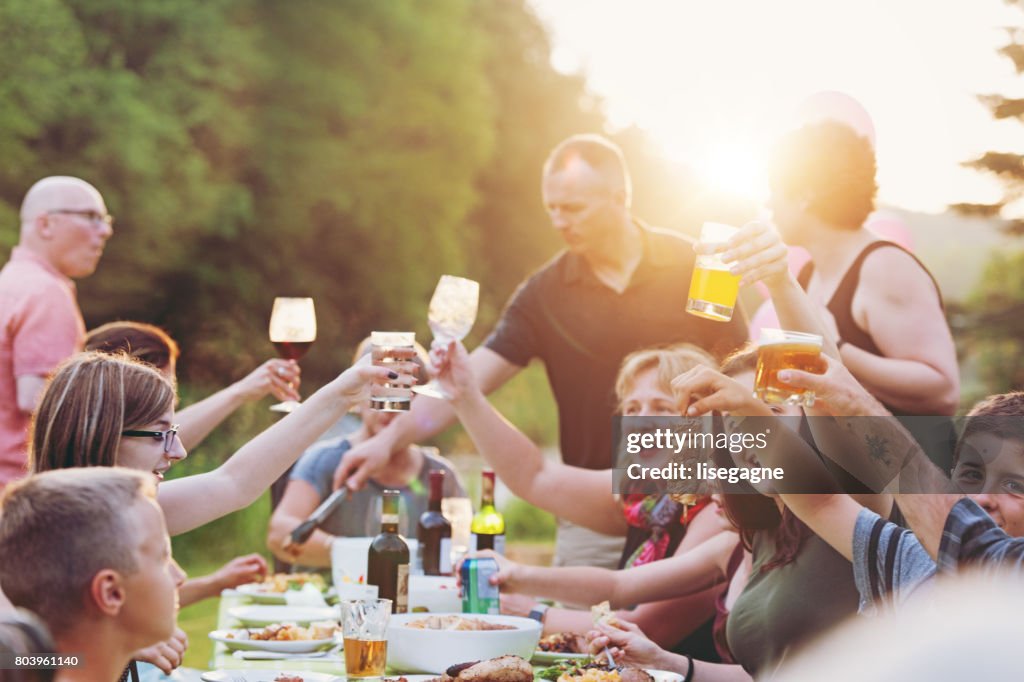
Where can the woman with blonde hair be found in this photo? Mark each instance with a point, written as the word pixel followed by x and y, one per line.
pixel 655 526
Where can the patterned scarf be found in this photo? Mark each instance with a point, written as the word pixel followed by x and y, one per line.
pixel 656 514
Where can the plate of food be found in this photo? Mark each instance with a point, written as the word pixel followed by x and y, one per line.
pixel 560 646
pixel 275 587
pixel 268 676
pixel 263 615
pixel 285 638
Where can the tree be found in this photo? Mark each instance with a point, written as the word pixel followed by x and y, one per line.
pixel 990 323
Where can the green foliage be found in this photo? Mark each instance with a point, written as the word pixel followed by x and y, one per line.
pixel 525 522
pixel 995 311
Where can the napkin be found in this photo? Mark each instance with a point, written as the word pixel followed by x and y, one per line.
pixel 309 595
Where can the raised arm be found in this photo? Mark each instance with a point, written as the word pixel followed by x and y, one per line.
pixel 277 377
pixel 426 418
pixel 582 496
pixel 192 501
pixel 877 449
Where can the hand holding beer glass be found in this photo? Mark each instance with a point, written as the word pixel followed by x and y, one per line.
pixel 390 348
pixel 779 349
pixel 364 626
pixel 713 289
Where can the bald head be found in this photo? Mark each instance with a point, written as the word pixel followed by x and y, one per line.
pixel 58 192
pixel 64 220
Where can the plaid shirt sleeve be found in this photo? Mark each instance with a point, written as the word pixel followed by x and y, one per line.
pixel 972 537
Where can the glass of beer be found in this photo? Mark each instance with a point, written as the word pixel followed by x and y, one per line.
pixel 389 348
pixel 364 626
pixel 713 289
pixel 779 349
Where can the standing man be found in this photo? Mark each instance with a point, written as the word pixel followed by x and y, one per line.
pixel 618 286
pixel 64 226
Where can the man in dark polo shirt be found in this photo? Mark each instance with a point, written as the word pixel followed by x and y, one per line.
pixel 619 286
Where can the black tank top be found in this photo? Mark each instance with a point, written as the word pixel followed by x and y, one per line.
pixel 936 435
pixel 841 303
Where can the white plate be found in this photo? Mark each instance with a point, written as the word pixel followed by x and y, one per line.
pixel 266 676
pixel 300 646
pixel 268 615
pixel 549 657
pixel 664 675
pixel 259 595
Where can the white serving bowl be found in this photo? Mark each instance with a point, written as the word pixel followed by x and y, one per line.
pixel 414 650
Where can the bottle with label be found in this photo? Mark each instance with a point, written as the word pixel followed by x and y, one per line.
pixel 488 524
pixel 435 532
pixel 388 559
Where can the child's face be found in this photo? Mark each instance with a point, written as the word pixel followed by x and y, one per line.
pixel 990 469
pixel 151 592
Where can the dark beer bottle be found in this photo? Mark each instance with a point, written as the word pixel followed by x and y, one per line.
pixel 388 559
pixel 435 532
pixel 488 524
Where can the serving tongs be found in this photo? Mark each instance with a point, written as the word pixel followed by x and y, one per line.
pixel 317 518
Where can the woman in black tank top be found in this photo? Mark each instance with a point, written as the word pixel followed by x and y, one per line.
pixel 887 307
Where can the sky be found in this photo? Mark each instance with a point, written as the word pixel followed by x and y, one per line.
pixel 714 81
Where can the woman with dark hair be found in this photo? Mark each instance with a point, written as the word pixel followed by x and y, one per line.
pixel 105 410
pixel 154 346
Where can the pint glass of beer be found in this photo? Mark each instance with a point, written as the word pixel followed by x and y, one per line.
pixel 389 348
pixel 779 349
pixel 364 626
pixel 713 289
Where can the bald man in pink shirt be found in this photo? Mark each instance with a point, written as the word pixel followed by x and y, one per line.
pixel 64 226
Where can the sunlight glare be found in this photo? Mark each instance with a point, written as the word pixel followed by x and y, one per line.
pixel 733 169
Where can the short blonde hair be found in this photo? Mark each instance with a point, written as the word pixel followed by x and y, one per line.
pixel 59 529
pixel 90 400
pixel 669 361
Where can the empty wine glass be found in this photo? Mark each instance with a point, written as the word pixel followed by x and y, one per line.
pixel 451 316
pixel 292 331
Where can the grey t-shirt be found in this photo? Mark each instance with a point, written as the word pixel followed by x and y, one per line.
pixel 889 562
pixel 359 515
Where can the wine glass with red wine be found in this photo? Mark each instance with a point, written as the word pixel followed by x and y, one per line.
pixel 292 331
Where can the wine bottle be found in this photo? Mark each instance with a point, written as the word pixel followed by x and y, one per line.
pixel 488 524
pixel 435 532
pixel 388 558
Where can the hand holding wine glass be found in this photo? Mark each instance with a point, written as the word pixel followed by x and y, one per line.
pixel 452 314
pixel 292 331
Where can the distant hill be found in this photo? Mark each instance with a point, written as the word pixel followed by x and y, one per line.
pixel 955 248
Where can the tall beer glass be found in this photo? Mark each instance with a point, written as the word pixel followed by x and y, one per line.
pixel 364 626
pixel 389 348
pixel 713 289
pixel 777 350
